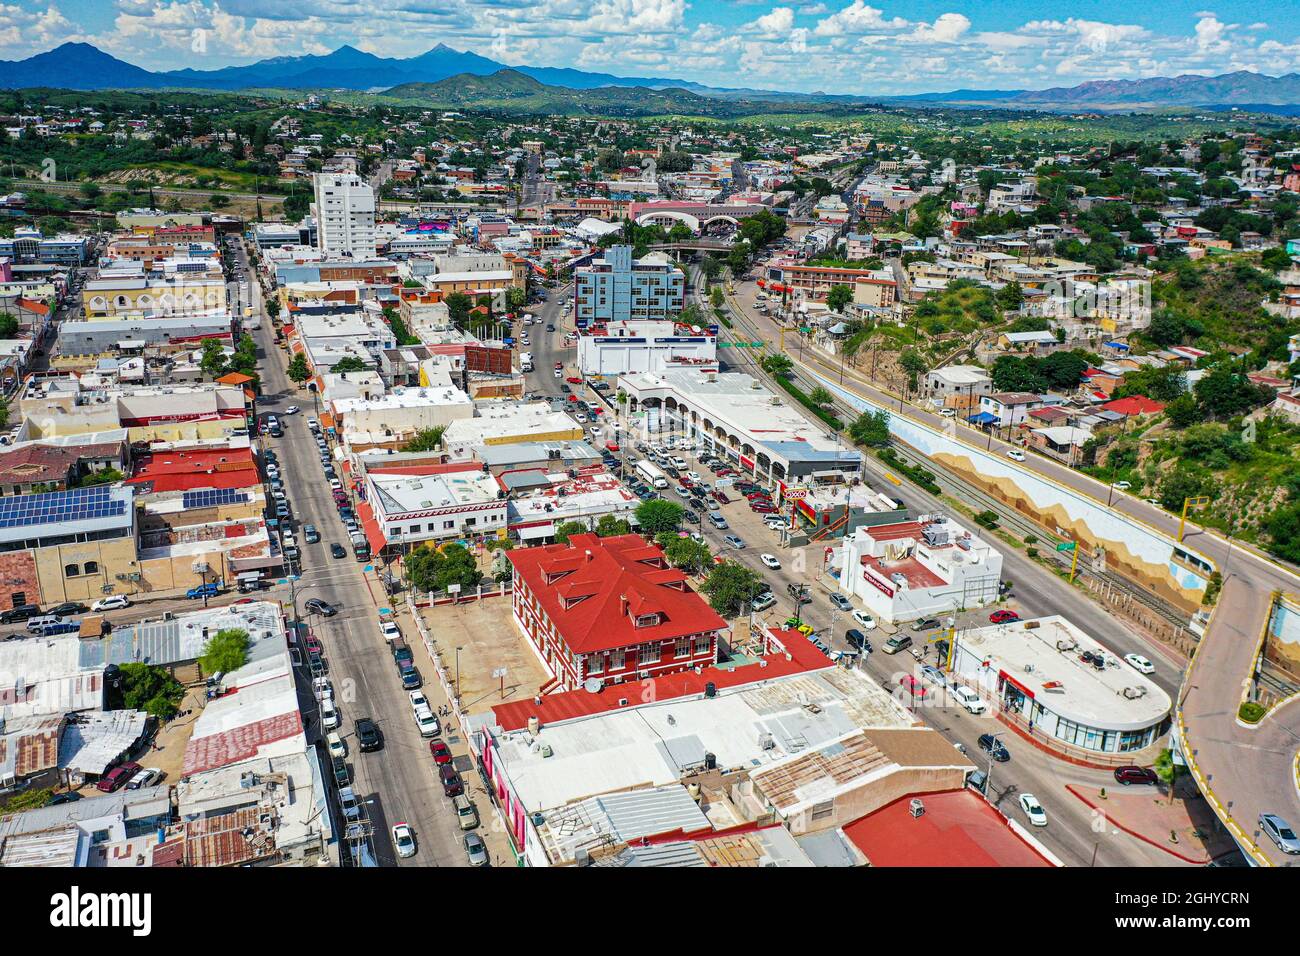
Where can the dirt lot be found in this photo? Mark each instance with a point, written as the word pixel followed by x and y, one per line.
pixel 486 632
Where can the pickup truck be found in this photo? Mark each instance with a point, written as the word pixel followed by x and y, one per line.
pixel 969 699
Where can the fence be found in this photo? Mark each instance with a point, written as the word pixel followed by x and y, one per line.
pixel 420 599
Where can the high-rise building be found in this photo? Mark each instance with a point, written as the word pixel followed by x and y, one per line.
pixel 619 288
pixel 345 215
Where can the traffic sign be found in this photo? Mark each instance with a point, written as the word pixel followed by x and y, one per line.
pixel 1066 546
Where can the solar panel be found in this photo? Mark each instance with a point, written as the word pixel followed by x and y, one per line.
pixel 77 504
pixel 210 497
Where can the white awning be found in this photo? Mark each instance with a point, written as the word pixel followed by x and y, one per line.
pixel 533 532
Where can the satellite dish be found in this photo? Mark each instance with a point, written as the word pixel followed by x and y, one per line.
pixel 592 685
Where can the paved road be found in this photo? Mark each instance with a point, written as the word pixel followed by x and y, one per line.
pixel 398 781
pixel 1243 772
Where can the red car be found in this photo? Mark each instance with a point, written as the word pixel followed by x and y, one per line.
pixel 116 778
pixel 753 495
pixel 1003 617
pixel 762 509
pixel 559 367
pixel 313 646
pixel 441 752
pixel 913 686
pixel 573 380
pixel 450 780
pixel 720 498
pixel 1128 775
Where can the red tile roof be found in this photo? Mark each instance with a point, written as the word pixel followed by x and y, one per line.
pixel 1134 405
pixel 594 576
pixel 958 828
pixel 803 658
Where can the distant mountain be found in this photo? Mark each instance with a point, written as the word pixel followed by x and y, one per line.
pixel 514 91
pixel 80 66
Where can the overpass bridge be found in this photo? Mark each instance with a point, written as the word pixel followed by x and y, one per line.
pixel 693 245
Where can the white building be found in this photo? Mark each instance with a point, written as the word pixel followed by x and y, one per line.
pixel 915 569
pixel 450 504
pixel 632 346
pixel 400 414
pixel 1035 673
pixel 345 215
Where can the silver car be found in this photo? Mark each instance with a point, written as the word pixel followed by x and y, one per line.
pixel 1280 832
pixel 476 850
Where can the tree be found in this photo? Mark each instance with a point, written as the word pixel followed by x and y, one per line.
pixel 821 396
pixel 688 554
pixel 1168 771
pixel 298 370
pixel 1010 297
pixel 516 299
pixel 32 799
pixel 1014 374
pixel 426 439
pixel 656 515
pixel 1063 369
pixel 716 298
pixel 1275 260
pixel 1181 482
pixel 569 528
pixel 838 297
pixel 1224 392
pixel 433 569
pixel 1183 411
pixel 8 325
pixel 214 358
pixel 778 365
pixel 871 429
pixel 272 307
pixel 225 651
pixel 730 586
pixel 1283 527
pixel 349 363
pixel 609 526
pixel 458 308
pixel 914 365
pixel 152 689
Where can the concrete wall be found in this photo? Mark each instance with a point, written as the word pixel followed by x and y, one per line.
pixel 1141 554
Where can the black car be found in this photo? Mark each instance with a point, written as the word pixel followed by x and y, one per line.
pixel 338 551
pixel 323 608
pixel 692 516
pixel 67 608
pixel 69 796
pixel 858 641
pixel 411 679
pixel 22 612
pixel 993 747
pixel 341 775
pixel 369 737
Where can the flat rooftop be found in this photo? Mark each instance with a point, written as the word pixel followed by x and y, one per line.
pixel 402 494
pixel 1043 656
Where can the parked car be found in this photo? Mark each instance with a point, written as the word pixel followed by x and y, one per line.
pixel 1003 617
pixel 926 624
pixel 1033 810
pixel 1280 832
pixel 864 620
pixel 329 714
pixel 970 700
pixel 369 737
pixel 1132 775
pixel 111 603
pixel 310 533
pixel 410 675
pixel 993 747
pixel 427 722
pixel 67 609
pixel 1140 663
pixel 899 642
pixel 734 541
pixel 403 839
pixel 211 589
pixel 858 641
pixel 335 745
pixel 117 778
pixel 466 812
pixel 841 602
pixel 440 751
pixel 145 778
pixel 452 786
pixel 770 561
pixel 476 850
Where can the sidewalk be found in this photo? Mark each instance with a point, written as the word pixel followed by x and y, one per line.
pixel 1147 815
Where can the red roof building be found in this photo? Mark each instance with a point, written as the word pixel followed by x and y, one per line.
pixel 957 828
pixel 192 470
pixel 612 609
pixel 1134 405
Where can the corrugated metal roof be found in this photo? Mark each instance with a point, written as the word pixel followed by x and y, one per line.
pixel 639 813
pixel 93 741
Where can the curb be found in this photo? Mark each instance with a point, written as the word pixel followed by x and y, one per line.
pixel 1139 836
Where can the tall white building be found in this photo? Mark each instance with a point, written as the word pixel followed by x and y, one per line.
pixel 345 215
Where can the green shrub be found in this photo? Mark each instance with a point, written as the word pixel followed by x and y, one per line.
pixel 1252 712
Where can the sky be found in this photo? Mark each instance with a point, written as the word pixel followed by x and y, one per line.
pixel 834 46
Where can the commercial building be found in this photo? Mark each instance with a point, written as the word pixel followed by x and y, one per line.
pixel 618 288
pixel 28 246
pixel 1035 674
pixel 811 283
pixel 82 339
pixel 618 348
pixel 916 569
pixel 393 419
pixel 135 296
pixel 736 418
pixel 440 503
pixel 612 609
pixel 345 215
pixel 540 501
pixel 508 423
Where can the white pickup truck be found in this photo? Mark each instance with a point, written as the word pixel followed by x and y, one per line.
pixel 970 700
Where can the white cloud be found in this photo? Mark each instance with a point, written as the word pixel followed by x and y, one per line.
pixel 858 18
pixel 777 23
pixel 947 28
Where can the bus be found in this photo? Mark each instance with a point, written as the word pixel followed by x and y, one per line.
pixel 360 547
pixel 652 473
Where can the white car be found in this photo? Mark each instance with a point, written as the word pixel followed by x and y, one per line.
pixel 1033 810
pixel 313 424
pixel 111 603
pixel 329 715
pixel 969 699
pixel 322 689
pixel 770 561
pixel 559 373
pixel 1140 663
pixel 580 418
pixel 403 840
pixel 334 743
pixel 144 778
pixel 775 523
pixel 693 475
pixel 1016 454
pixel 864 620
pixel 389 630
pixel 292 410
pixel 1123 485
pixel 427 722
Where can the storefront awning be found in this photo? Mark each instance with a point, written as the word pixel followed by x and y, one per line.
pixel 374 533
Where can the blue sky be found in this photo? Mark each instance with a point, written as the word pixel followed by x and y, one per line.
pixel 839 46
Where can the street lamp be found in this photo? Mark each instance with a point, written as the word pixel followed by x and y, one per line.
pixel 459 648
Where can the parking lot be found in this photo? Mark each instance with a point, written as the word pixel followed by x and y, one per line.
pixel 489 641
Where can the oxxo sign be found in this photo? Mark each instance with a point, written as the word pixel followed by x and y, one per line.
pixel 796 494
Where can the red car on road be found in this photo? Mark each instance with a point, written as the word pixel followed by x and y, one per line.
pixel 1003 617
pixel 1128 775
pixel 573 380
pixel 762 509
pixel 441 752
pixel 313 646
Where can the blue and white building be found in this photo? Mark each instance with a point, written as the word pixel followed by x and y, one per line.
pixel 620 348
pixel 618 288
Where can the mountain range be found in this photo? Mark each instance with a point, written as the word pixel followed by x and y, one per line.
pixel 81 66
